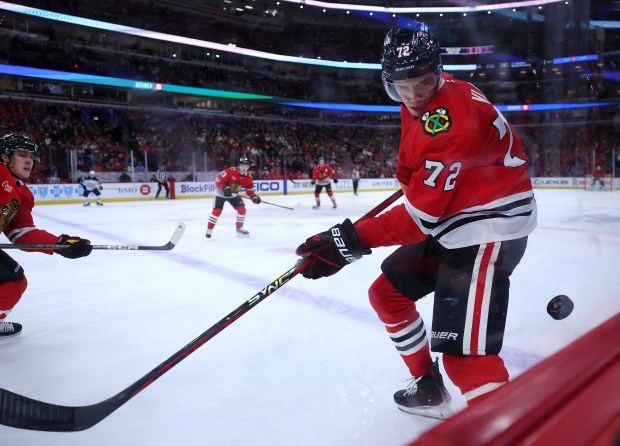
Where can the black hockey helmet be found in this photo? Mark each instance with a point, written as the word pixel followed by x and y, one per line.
pixel 12 142
pixel 244 160
pixel 409 51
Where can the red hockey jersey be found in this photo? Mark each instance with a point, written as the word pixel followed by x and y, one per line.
pixel 464 172
pixel 16 203
pixel 323 175
pixel 231 177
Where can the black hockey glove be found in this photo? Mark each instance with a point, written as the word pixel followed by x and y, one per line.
pixel 331 250
pixel 78 247
pixel 335 180
pixel 100 187
pixel 256 199
pixel 227 191
pixel 313 182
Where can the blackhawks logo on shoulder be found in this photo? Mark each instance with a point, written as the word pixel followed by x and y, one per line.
pixel 436 123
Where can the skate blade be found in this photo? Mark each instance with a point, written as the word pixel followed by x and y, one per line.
pixel 10 336
pixel 436 412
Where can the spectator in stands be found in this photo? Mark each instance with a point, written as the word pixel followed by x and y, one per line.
pixel 125 178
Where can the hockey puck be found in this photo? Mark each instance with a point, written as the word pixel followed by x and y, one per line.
pixel 560 307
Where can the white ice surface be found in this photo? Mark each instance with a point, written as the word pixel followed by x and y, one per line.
pixel 311 365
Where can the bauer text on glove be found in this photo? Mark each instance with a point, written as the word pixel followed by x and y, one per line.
pixel 331 250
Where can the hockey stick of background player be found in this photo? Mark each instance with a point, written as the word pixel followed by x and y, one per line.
pixel 176 236
pixel 272 204
pixel 26 413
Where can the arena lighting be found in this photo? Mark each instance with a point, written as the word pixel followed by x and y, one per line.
pixel 80 21
pixel 611 75
pixel 466 50
pixel 435 9
pixel 63 76
pixel 169 88
pixel 571 59
pixel 396 108
pixel 608 24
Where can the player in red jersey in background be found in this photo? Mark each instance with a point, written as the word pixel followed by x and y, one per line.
pixel 322 176
pixel 227 186
pixel 469 208
pixel 19 154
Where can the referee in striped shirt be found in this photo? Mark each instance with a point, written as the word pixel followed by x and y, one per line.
pixel 161 176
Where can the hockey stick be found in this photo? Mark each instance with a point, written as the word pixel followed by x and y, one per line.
pixel 26 413
pixel 176 236
pixel 266 202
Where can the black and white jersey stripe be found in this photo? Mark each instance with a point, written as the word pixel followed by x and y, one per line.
pixel 507 218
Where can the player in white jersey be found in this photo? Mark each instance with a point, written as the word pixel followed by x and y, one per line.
pixel 91 185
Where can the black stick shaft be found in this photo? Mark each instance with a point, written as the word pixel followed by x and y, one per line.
pixel 272 204
pixel 176 236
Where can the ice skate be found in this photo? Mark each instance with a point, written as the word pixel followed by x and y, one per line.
pixel 334 205
pixel 9 329
pixel 99 203
pixel 316 206
pixel 87 203
pixel 242 233
pixel 209 232
pixel 426 395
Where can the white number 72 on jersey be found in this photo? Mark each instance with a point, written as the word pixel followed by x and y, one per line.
pixel 436 167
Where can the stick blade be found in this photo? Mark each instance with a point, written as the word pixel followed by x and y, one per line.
pixel 25 413
pixel 176 236
pixel 21 412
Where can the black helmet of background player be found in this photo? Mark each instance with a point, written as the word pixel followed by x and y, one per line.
pixel 409 51
pixel 244 165
pixel 13 142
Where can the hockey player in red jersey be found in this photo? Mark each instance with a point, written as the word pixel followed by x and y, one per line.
pixel 322 176
pixel 19 154
pixel 469 208
pixel 227 186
